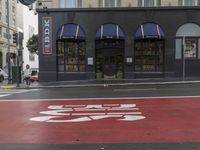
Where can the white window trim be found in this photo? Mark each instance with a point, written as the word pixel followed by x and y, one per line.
pixel 196 2
pixel 104 4
pixel 65 4
pixel 155 3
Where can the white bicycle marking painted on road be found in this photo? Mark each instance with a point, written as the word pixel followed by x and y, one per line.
pixel 83 113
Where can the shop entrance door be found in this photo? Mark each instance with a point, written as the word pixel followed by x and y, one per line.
pixel 109 68
pixel 109 64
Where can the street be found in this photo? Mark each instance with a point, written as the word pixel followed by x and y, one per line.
pixel 140 117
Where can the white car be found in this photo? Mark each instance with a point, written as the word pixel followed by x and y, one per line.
pixel 3 75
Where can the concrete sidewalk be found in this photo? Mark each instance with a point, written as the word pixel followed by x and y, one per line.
pixel 102 83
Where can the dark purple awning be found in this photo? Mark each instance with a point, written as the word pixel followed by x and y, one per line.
pixel 110 31
pixel 70 31
pixel 149 30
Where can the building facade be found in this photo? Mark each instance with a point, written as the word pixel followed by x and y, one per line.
pixel 4 34
pixel 115 39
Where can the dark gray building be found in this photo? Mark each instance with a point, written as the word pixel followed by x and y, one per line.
pixel 116 43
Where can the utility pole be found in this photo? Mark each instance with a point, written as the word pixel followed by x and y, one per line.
pixel 8 38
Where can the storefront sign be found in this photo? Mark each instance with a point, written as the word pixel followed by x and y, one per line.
pixel 129 60
pixel 47 35
pixel 90 61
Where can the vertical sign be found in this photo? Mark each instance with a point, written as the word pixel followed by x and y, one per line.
pixel 47 35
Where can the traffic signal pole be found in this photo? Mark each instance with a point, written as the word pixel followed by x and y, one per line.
pixel 8 38
pixel 17 46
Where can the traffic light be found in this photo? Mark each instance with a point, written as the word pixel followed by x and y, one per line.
pixel 15 38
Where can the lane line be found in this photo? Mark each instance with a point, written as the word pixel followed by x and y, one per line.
pixel 4 95
pixel 8 93
pixel 129 90
pixel 113 98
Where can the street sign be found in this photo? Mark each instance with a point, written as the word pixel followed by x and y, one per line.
pixel 27 2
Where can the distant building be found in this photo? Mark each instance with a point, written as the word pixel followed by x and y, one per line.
pixel 3 32
pixel 28 23
pixel 118 39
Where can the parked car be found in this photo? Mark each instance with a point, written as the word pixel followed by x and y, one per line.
pixel 34 75
pixel 3 75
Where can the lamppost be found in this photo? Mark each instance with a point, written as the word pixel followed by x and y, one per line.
pixel 8 38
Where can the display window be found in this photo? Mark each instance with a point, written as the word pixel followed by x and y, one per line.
pixel 71 56
pixel 149 55
pixel 190 48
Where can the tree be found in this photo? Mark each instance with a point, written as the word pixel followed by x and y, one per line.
pixel 32 44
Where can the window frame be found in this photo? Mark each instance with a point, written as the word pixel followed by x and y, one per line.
pixel 65 58
pixel 78 4
pixel 102 3
pixel 197 38
pixel 141 56
pixel 182 3
pixel 156 3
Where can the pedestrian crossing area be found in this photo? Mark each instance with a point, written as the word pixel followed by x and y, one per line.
pixel 9 92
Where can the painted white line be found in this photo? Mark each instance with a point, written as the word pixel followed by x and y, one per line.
pixel 3 95
pixel 129 90
pixel 17 91
pixel 113 98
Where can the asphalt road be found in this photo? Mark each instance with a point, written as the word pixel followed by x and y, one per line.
pixel 51 94
pixel 109 92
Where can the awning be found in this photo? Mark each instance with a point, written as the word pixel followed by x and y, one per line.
pixel 110 31
pixel 70 31
pixel 149 30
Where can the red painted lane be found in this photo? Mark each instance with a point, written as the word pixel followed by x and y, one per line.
pixel 167 120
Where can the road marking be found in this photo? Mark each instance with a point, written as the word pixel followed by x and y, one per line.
pixel 129 90
pixel 112 98
pixel 11 92
pixel 64 113
pixel 4 95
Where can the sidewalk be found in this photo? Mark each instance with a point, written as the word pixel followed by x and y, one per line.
pixel 101 83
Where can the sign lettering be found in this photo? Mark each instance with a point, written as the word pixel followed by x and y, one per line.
pixel 47 35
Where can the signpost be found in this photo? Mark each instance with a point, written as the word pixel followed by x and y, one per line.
pixel 184 46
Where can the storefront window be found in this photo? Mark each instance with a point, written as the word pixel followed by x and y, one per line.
pixel 190 48
pixel 189 35
pixel 71 56
pixel 179 44
pixel 149 55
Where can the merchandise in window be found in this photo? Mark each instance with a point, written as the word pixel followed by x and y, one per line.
pixel 71 56
pixel 149 55
pixel 190 48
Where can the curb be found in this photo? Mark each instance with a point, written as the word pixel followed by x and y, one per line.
pixel 107 85
pixel 8 87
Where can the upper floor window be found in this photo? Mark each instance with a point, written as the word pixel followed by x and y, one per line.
pixel 0 31
pixel 149 3
pixel 189 2
pixel 70 3
pixel 109 3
